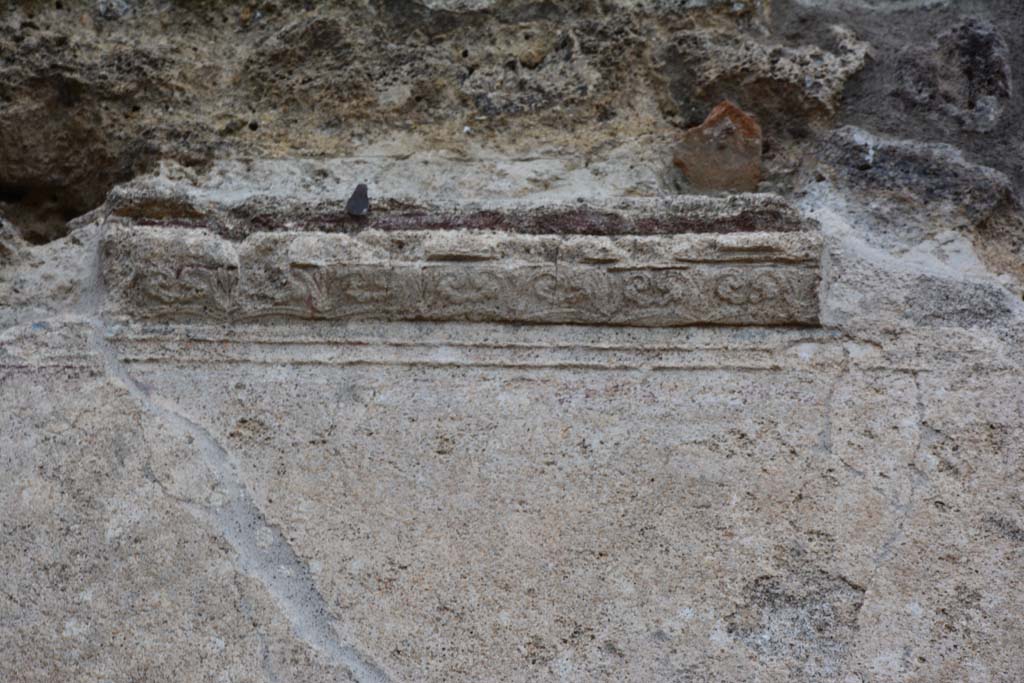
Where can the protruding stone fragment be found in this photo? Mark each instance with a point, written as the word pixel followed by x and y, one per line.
pixel 358 204
pixel 723 153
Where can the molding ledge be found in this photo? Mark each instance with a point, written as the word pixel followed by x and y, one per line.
pixel 189 274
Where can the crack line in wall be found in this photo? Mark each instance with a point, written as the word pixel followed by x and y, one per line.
pixel 238 519
pixel 826 432
pixel 906 508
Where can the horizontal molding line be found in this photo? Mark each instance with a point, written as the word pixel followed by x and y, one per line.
pixel 638 347
pixel 82 365
pixel 447 365
pixel 173 352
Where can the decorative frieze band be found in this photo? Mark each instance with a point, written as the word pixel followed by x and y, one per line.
pixel 754 278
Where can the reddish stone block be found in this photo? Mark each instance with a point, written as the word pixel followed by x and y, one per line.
pixel 723 153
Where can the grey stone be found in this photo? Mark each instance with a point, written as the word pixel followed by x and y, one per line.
pixel 950 192
pixel 965 75
pixel 929 62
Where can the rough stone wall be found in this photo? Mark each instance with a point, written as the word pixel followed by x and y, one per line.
pixel 455 494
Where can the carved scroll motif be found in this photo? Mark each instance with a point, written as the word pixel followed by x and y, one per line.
pixel 153 275
pixel 586 293
pixel 659 295
pixel 740 288
pixel 340 291
pixel 483 292
pixel 188 289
